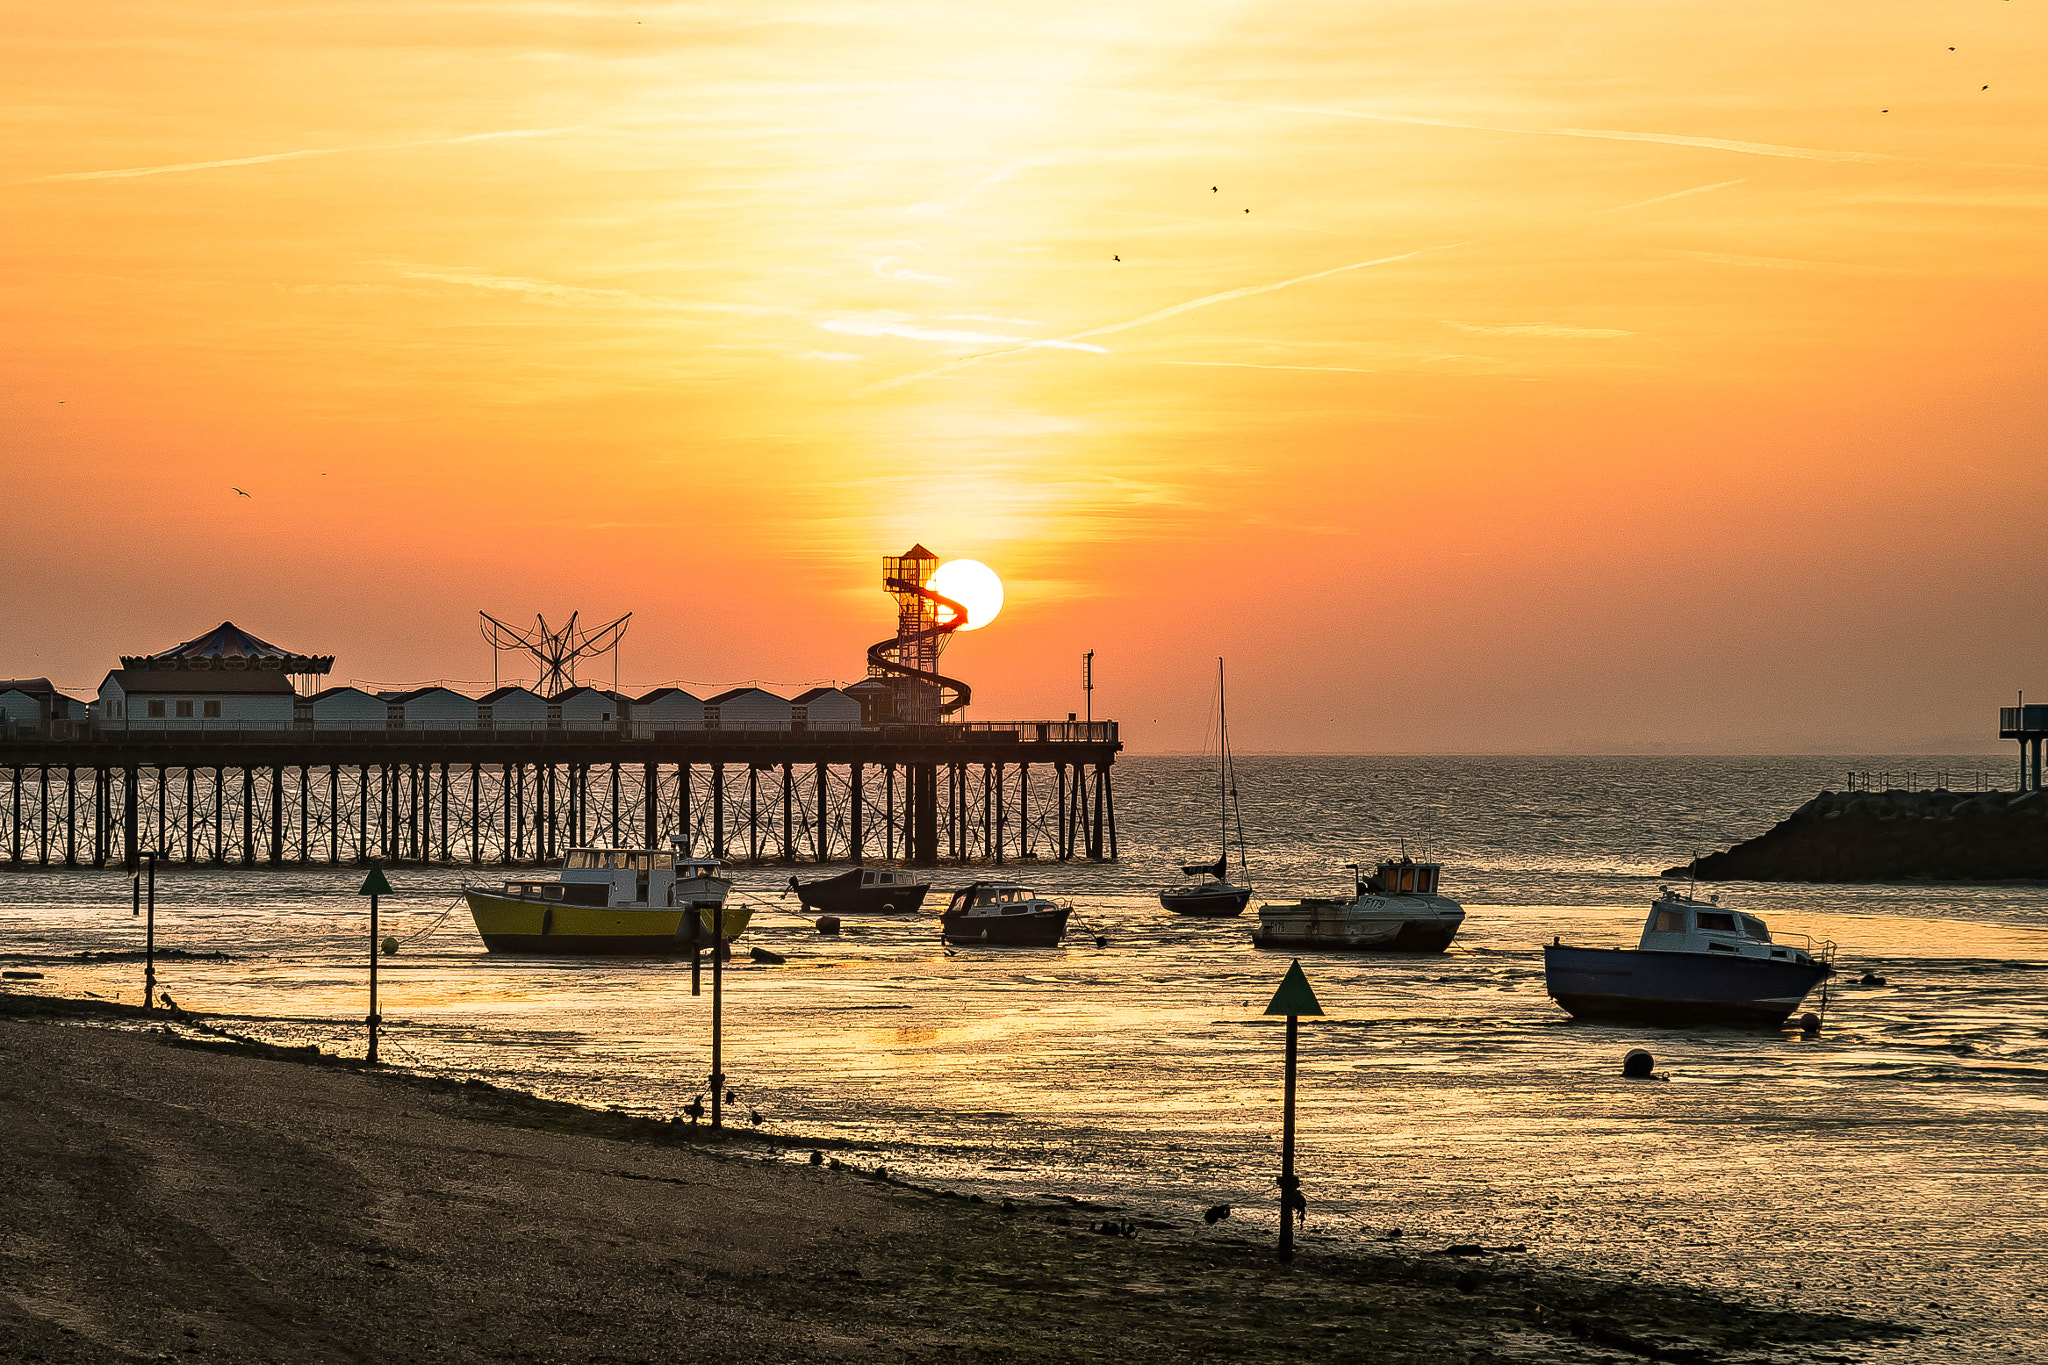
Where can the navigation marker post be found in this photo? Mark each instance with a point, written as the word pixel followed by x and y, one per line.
pixel 376 885
pixel 149 938
pixel 1294 999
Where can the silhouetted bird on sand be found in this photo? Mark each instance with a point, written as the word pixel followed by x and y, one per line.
pixel 730 1097
pixel 695 1108
pixel 1216 1215
pixel 817 1158
pixel 754 1117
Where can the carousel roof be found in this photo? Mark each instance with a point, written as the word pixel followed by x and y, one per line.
pixel 229 646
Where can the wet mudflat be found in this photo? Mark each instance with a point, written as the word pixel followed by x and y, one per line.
pixel 172 1199
pixel 1886 1169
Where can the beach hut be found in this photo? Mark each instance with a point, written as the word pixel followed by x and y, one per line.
pixel 432 708
pixel 824 708
pixel 667 708
pixel 746 708
pixel 512 708
pixel 590 708
pixel 344 708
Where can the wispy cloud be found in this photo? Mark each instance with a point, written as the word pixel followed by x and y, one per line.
pixel 1778 262
pixel 1251 365
pixel 1537 329
pixel 1171 310
pixel 896 325
pixel 179 167
pixel 1676 194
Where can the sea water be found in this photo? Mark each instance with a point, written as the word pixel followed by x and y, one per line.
pixel 1889 1166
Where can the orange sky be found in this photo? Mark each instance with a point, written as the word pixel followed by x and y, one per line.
pixel 1580 375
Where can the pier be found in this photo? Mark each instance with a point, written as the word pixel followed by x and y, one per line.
pixel 985 791
pixel 2028 725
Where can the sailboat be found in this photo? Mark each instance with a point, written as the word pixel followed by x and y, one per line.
pixel 1212 893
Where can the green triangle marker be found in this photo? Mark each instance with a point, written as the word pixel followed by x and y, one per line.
pixel 376 885
pixel 1295 995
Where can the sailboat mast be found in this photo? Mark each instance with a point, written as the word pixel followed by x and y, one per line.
pixel 1222 764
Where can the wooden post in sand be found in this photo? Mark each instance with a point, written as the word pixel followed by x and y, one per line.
pixel 1294 998
pixel 374 885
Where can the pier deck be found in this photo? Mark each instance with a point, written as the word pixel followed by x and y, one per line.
pixel 985 791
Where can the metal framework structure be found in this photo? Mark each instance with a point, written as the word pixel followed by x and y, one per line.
pixel 557 652
pixel 987 792
pixel 909 659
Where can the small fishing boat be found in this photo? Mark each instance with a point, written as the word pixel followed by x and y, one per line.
pixel 1395 910
pixel 608 901
pixel 1003 914
pixel 864 891
pixel 1213 894
pixel 1697 963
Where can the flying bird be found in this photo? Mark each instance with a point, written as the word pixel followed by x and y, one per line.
pixel 1116 258
pixel 1212 189
pixel 246 495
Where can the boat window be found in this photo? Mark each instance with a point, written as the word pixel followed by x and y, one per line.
pixel 581 857
pixel 1722 947
pixel 640 862
pixel 553 893
pixel 1425 881
pixel 1670 922
pixel 1755 929
pixel 867 879
pixel 1715 919
pixel 885 878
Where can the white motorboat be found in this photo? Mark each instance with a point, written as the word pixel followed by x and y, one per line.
pixel 1395 910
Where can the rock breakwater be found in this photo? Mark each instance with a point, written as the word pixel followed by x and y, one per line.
pixel 1865 836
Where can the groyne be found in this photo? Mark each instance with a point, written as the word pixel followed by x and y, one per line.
pixel 1865 836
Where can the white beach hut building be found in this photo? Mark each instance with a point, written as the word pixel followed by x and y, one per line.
pixel 591 708
pixel 824 708
pixel 432 708
pixel 667 708
pixel 746 708
pixel 512 708
pixel 345 708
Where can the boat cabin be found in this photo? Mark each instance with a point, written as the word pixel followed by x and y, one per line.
pixel 1402 877
pixel 875 877
pixel 996 898
pixel 1679 924
pixel 642 877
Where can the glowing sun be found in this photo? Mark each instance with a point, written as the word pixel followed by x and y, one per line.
pixel 973 585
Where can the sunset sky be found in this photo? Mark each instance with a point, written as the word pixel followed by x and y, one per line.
pixel 1474 376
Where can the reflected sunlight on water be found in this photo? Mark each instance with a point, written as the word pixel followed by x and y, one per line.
pixel 1888 1165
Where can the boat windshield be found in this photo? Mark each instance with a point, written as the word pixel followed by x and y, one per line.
pixel 1754 928
pixel 1717 919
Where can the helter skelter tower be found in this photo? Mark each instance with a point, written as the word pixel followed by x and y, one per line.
pixel 909 660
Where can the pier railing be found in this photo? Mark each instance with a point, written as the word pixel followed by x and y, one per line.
pixel 1926 780
pixel 751 732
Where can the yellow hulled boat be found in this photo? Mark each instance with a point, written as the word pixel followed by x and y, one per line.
pixel 610 901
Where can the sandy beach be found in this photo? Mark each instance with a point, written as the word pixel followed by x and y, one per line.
pixel 170 1198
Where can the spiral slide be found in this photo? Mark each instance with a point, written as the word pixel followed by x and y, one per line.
pixel 953 694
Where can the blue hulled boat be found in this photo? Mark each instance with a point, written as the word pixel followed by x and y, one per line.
pixel 1697 963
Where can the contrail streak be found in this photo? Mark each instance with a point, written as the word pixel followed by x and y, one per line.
pixel 1158 314
pixel 1676 194
pixel 131 172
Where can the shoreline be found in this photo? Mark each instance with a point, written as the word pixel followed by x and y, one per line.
pixel 233 1200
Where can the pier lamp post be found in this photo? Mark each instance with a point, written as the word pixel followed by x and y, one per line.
pixel 1294 999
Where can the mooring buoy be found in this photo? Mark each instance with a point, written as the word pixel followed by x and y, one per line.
pixel 1638 1064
